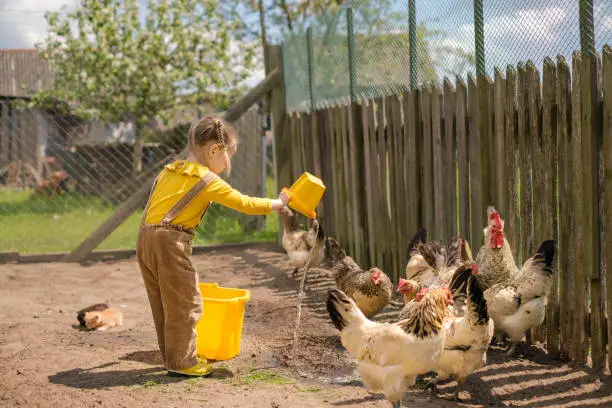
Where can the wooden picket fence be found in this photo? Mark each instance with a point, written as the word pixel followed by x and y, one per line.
pixel 436 157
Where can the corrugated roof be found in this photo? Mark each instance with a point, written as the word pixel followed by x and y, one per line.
pixel 23 73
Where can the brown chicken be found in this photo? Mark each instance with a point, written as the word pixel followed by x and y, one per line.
pixel 371 290
pixel 390 356
pixel 495 260
pixel 298 243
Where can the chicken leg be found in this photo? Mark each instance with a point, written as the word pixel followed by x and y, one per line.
pixel 295 272
pixel 433 384
pixel 460 384
pixel 511 348
pixel 397 404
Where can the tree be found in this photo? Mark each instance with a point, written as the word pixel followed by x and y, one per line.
pixel 112 67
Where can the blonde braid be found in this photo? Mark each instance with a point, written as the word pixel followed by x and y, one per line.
pixel 221 139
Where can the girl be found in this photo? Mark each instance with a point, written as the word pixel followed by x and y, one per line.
pixel 178 201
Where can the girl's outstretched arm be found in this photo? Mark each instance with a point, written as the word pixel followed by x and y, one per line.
pixel 222 193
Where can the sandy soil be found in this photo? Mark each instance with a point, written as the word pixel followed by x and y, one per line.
pixel 47 362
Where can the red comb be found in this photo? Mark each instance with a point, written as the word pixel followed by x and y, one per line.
pixel 474 269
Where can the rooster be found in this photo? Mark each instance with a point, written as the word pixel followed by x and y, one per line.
pixel 371 290
pixel 391 355
pixel 469 329
pixel 495 260
pixel 520 304
pixel 299 243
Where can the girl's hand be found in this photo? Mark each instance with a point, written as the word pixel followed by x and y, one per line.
pixel 284 198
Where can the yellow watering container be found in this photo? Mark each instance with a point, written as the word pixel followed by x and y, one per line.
pixel 305 194
pixel 220 328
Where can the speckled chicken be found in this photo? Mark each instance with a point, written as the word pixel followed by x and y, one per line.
pixel 520 304
pixel 495 260
pixel 371 290
pixel 298 243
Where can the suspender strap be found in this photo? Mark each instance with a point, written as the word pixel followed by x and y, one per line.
pixel 188 197
pixel 144 213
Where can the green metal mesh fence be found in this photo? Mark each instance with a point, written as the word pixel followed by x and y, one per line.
pixel 376 47
pixel 602 16
pixel 519 31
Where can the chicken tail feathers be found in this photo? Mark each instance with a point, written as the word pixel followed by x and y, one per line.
pixel 453 254
pixel 337 304
pixel 459 282
pixel 546 254
pixel 476 300
pixel 419 238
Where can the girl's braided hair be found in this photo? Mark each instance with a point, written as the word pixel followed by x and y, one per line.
pixel 211 129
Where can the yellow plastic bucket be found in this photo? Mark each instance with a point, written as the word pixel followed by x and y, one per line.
pixel 220 327
pixel 305 194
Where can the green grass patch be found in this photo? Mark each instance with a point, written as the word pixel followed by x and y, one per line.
pixel 151 384
pixel 265 377
pixel 309 389
pixel 31 224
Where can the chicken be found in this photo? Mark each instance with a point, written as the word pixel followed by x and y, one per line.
pixel 495 260
pixel 433 264
pixel 298 243
pixel 391 355
pixel 469 329
pixel 371 290
pixel 409 290
pixel 520 304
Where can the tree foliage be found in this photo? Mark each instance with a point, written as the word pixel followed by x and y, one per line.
pixel 111 65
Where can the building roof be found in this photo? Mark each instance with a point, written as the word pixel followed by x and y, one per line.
pixel 23 72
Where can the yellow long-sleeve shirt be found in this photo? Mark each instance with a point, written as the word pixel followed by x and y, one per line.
pixel 179 177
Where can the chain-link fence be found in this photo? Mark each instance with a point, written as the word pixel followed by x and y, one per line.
pixel 367 49
pixel 61 177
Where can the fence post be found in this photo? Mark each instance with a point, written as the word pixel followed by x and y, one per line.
pixel 351 53
pixel 479 38
pixel 482 119
pixel 278 108
pixel 412 30
pixel 587 28
pixel 310 67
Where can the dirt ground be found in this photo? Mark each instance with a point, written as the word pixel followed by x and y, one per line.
pixel 47 362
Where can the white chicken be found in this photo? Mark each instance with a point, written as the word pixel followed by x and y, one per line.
pixel 391 355
pixel 520 304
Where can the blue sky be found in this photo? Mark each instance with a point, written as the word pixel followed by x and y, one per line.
pixel 514 31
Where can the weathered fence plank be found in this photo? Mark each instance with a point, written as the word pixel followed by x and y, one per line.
pixel 581 298
pixel 566 287
pixel 477 206
pixel 463 164
pixel 499 143
pixel 438 232
pixel 591 131
pixel 512 163
pixel 548 201
pixel 450 161
pixel 607 157
pixel 397 188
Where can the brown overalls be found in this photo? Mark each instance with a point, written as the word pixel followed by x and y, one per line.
pixel 164 256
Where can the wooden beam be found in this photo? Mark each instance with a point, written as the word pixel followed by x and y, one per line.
pixel 138 199
pixel 271 80
pixel 282 147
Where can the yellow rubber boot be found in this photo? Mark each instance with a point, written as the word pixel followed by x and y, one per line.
pixel 201 369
